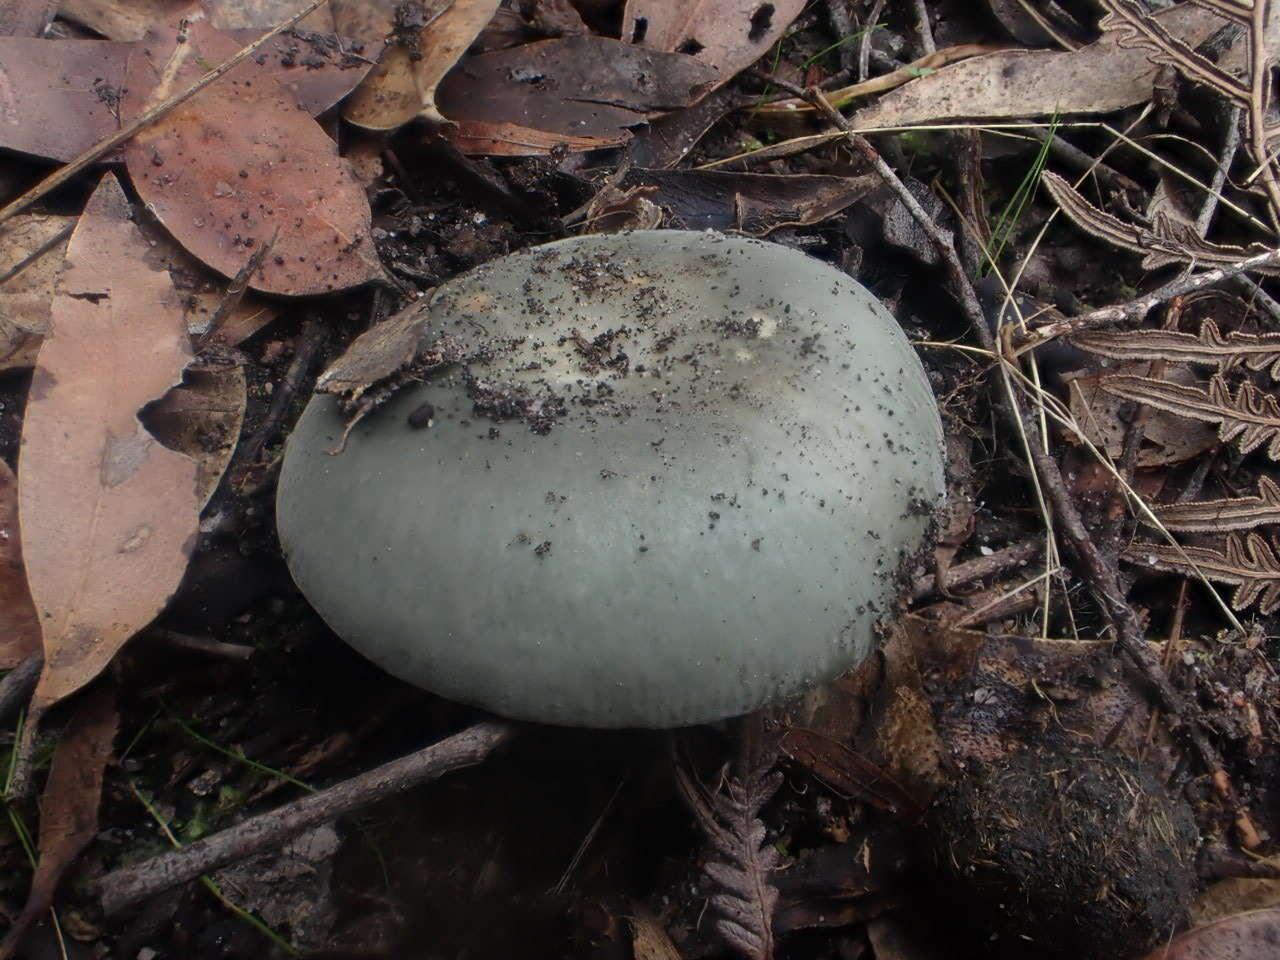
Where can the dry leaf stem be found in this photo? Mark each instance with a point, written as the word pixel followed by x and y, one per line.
pixel 103 147
pixel 129 885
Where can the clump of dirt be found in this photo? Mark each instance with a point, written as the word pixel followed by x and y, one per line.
pixel 1067 854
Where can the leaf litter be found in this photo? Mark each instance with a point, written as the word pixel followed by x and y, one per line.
pixel 939 706
pixel 276 173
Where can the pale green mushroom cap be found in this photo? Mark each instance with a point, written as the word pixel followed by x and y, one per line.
pixel 677 476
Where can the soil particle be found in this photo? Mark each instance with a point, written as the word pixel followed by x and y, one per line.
pixel 1061 854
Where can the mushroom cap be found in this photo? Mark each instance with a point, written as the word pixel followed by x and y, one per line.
pixel 675 476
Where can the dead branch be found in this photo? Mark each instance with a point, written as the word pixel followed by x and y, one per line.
pixel 129 885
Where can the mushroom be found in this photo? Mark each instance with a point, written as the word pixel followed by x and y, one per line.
pixel 672 477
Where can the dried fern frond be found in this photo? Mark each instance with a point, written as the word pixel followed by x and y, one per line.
pixel 1251 418
pixel 1250 565
pixel 1256 351
pixel 1166 241
pixel 1216 516
pixel 740 858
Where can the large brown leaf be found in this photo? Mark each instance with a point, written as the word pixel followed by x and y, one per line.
pixel 19 628
pixel 728 35
pixel 239 164
pixel 60 97
pixel 573 88
pixel 108 515
pixel 69 807
pixel 1100 78
pixel 403 85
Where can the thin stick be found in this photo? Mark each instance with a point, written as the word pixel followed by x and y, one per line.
pixel 130 885
pixel 103 147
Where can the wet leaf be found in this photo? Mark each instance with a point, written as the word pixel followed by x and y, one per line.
pixel 1245 936
pixel 275 172
pixel 63 95
pixel 403 84
pixel 69 806
pixel 1099 78
pixel 19 627
pixel 572 87
pixel 109 516
pixel 31 248
pixel 728 35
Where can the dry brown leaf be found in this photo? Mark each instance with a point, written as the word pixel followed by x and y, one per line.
pixel 125 19
pixel 274 173
pixel 69 807
pixel 19 626
pixel 265 14
pixel 109 516
pixel 25 18
pixel 63 95
pixel 574 87
pixel 728 35
pixel 1244 936
pixel 31 248
pixel 1236 895
pixel 403 84
pixel 481 138
pixel 1166 438
pixel 755 204
pixel 1100 78
pixel 202 419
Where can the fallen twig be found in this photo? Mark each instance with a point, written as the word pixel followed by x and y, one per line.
pixel 129 885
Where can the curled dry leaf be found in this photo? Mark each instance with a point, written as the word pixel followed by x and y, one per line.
pixel 31 247
pixel 274 173
pixel 109 516
pixel 572 87
pixel 19 627
pixel 1244 936
pixel 69 807
pixel 423 49
pixel 63 96
pixel 728 35
pixel 755 204
pixel 1099 78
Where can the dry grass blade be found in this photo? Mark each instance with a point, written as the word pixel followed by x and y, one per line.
pixel 1257 351
pixel 1250 565
pixel 1165 242
pixel 1251 418
pixel 1214 516
pixel 741 857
